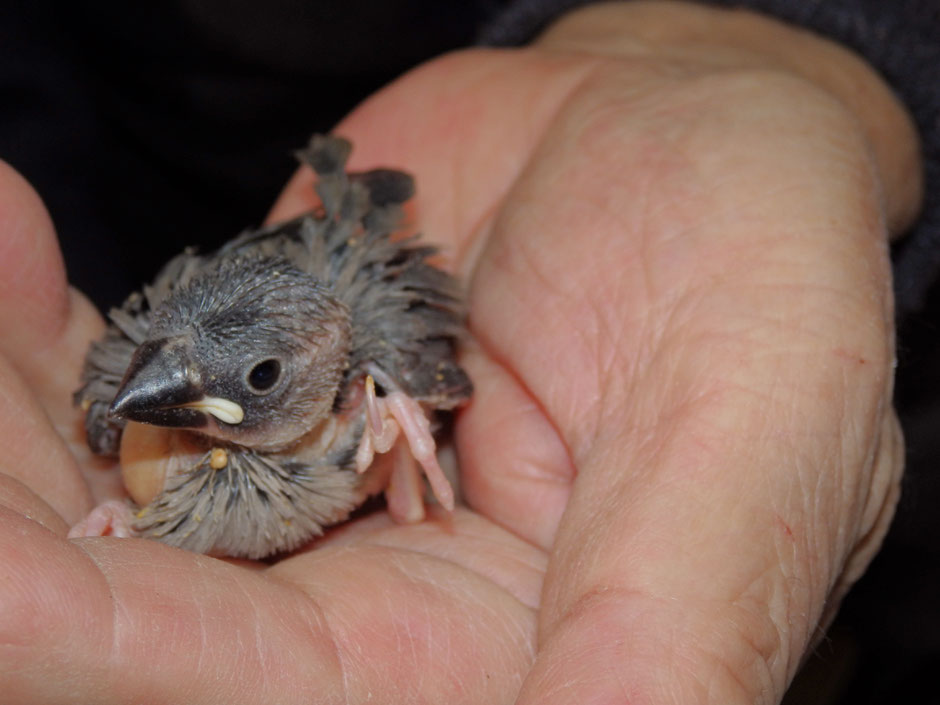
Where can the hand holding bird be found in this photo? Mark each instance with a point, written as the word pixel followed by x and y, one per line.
pixel 682 393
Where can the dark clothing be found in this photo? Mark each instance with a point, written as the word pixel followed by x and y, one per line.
pixel 147 128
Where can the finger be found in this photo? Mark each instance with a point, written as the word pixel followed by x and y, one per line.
pixel 114 621
pixel 34 453
pixel 47 326
pixel 521 476
pixel 17 497
pixel 32 275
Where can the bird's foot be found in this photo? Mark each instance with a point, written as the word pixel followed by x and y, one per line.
pixel 386 417
pixel 111 518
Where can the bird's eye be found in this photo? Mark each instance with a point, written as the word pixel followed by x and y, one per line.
pixel 264 375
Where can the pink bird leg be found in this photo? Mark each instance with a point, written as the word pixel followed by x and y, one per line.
pixel 111 518
pixel 386 417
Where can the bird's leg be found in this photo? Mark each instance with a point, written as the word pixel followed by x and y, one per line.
pixel 385 418
pixel 111 518
pixel 405 493
pixel 380 433
pixel 417 429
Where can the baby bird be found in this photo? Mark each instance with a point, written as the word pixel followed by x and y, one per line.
pixel 247 390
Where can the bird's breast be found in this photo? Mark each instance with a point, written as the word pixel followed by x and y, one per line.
pixel 150 456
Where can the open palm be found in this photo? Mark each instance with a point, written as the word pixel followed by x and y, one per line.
pixel 679 454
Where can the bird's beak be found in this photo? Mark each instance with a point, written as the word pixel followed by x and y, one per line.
pixel 163 387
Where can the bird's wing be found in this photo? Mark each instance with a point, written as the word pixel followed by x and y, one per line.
pixel 407 314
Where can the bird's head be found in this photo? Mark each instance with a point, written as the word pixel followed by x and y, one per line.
pixel 251 350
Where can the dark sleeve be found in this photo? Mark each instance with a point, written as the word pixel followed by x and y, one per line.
pixel 901 39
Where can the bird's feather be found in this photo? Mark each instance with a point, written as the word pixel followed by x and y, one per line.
pixel 404 317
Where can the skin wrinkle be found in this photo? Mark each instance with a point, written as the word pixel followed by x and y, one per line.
pixel 491 350
pixel 854 490
pixel 876 469
pixel 818 477
pixel 409 637
pixel 754 693
pixel 884 511
pixel 755 208
pixel 320 625
pixel 550 284
pixel 612 368
pixel 425 639
pixel 595 325
pixel 761 658
pixel 205 644
pixel 436 556
pixel 759 602
pixel 543 279
pixel 815 560
pixel 266 672
pixel 116 619
pixel 26 415
pixel 687 649
pixel 654 99
pixel 17 497
pixel 232 666
pixel 423 575
pixel 526 566
pixel 774 322
pixel 821 548
pixel 611 376
pixel 667 409
pixel 466 253
pixel 620 502
pixel 798 574
pixel 500 495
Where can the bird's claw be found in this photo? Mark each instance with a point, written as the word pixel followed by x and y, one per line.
pixel 111 518
pixel 386 417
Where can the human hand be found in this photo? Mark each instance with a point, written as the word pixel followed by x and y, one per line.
pixel 678 281
pixel 673 220
pixel 439 610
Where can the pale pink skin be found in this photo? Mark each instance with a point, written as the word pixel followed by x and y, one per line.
pixel 387 417
pixel 680 451
pixel 113 517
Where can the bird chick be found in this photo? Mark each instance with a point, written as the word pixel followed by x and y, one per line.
pixel 246 391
